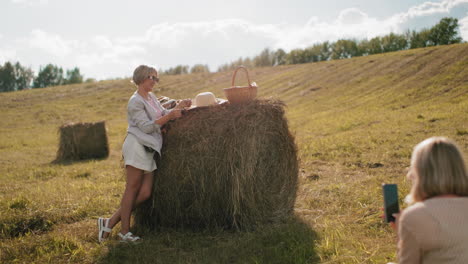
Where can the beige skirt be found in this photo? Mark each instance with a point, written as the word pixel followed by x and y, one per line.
pixel 136 156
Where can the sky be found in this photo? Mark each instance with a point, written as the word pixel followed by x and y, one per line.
pixel 108 39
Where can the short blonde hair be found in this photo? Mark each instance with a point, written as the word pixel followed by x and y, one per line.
pixel 141 73
pixel 437 168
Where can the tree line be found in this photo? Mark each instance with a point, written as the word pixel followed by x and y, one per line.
pixel 443 33
pixel 15 77
pixel 185 69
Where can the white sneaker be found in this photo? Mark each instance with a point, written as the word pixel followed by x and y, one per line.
pixel 129 237
pixel 103 226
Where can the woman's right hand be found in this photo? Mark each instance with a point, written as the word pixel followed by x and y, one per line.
pixel 184 103
pixel 175 113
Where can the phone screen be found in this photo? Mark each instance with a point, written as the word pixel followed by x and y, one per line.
pixel 390 195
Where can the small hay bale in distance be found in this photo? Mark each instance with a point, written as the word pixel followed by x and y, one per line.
pixel 80 141
pixel 224 166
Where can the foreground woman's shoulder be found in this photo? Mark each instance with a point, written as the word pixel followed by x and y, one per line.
pixel 414 212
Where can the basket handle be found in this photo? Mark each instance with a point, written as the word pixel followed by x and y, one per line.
pixel 235 72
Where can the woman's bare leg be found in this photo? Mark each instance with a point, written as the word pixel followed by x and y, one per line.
pixel 134 181
pixel 144 193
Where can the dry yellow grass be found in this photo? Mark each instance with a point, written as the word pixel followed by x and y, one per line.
pixel 355 123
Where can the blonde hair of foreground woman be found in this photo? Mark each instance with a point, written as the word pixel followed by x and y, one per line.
pixel 437 168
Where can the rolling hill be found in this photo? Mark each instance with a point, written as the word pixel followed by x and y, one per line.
pixel 355 122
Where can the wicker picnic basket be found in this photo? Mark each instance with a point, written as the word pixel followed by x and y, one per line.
pixel 239 94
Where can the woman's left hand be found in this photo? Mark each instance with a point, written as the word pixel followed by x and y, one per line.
pixel 394 224
pixel 184 103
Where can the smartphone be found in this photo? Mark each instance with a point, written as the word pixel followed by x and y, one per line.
pixel 390 196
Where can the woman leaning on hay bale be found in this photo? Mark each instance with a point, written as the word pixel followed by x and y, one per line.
pixel 145 118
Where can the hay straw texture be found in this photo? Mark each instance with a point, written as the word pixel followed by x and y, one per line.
pixel 224 166
pixel 80 141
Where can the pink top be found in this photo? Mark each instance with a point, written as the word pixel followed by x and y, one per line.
pixel 156 108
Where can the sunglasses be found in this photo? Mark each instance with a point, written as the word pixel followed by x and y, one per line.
pixel 154 78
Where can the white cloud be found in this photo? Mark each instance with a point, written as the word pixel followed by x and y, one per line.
pixel 102 42
pixel 167 35
pixel 352 16
pixel 7 55
pixel 351 23
pixel 464 27
pixel 30 2
pixel 50 43
pixel 430 8
pixel 427 9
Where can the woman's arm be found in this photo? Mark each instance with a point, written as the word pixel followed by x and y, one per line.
pixel 180 106
pixel 175 113
pixel 137 113
pixel 409 250
pixel 417 233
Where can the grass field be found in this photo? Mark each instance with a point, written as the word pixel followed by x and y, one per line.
pixel 355 123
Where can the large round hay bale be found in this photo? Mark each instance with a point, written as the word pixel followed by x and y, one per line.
pixel 224 166
pixel 79 141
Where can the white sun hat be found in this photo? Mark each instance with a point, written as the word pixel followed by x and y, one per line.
pixel 204 99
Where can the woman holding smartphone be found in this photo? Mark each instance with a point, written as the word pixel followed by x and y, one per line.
pixel 434 228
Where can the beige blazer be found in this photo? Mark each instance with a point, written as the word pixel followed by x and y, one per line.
pixel 141 116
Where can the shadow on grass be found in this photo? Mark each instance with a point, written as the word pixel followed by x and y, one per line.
pixel 67 162
pixel 290 242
